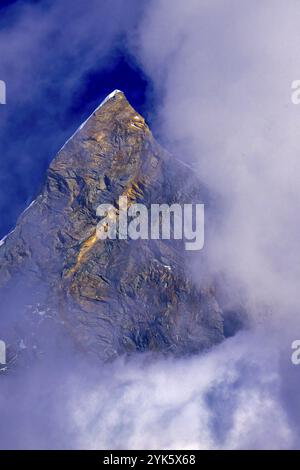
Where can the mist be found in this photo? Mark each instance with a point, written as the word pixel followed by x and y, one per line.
pixel 227 110
pixel 225 71
pixel 228 398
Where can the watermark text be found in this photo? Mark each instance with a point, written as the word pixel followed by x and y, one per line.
pixel 161 221
pixel 2 92
pixel 295 357
pixel 2 353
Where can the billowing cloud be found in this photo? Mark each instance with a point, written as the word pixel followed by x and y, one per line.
pixel 232 397
pixel 228 398
pixel 225 71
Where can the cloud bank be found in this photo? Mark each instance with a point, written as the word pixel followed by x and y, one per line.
pixel 237 396
pixel 225 73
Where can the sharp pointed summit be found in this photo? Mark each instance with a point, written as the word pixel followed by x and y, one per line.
pixel 106 297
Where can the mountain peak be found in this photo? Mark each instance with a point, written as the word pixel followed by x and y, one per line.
pixel 109 96
pixel 116 94
pixel 111 125
pixel 109 297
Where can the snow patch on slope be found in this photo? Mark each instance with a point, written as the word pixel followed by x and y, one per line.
pixel 2 241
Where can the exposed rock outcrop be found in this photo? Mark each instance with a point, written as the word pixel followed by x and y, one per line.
pixel 107 297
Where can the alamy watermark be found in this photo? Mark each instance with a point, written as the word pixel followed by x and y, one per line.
pixel 295 357
pixel 161 221
pixel 2 353
pixel 2 92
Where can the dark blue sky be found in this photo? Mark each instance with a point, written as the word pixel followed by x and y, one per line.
pixel 59 60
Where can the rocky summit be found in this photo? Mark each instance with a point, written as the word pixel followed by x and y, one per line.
pixel 60 283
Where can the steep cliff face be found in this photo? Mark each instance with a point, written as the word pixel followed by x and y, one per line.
pixel 108 297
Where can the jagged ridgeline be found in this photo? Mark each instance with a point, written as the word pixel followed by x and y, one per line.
pixel 60 283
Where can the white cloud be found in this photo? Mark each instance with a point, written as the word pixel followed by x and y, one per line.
pixel 225 71
pixel 227 398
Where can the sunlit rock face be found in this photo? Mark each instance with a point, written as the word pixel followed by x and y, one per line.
pixel 60 284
